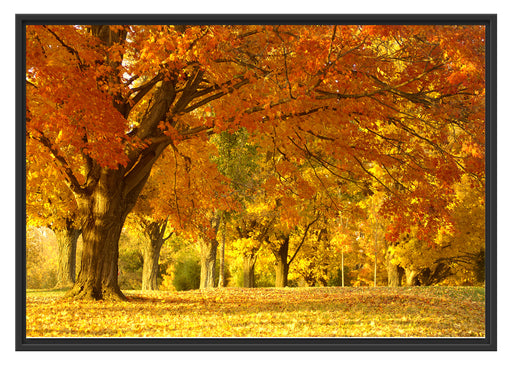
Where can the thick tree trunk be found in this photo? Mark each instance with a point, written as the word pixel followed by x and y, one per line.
pixel 248 270
pixel 208 258
pixel 103 212
pixel 67 239
pixel 394 275
pixel 151 254
pixel 97 278
pixel 282 265
pixel 431 276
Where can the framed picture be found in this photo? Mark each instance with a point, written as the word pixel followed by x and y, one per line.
pixel 256 182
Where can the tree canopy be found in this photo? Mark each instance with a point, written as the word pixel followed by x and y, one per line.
pixel 332 116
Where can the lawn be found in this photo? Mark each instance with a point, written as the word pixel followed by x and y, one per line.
pixel 265 312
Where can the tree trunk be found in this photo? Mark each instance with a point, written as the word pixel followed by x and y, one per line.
pixel 430 276
pixel 248 270
pixel 395 272
pixel 97 278
pixel 151 254
pixel 281 274
pixel 103 212
pixel 411 277
pixel 150 265
pixel 208 258
pixel 282 265
pixel 222 279
pixel 67 239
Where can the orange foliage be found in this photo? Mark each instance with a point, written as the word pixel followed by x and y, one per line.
pixel 342 110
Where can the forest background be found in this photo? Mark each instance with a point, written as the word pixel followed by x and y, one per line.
pixel 11 187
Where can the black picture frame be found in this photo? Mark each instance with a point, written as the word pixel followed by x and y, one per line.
pixel 489 343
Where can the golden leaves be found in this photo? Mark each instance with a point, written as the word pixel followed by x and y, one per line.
pixel 289 312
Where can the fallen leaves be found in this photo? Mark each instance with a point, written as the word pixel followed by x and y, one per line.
pixel 265 312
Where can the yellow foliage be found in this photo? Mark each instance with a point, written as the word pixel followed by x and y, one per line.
pixel 270 312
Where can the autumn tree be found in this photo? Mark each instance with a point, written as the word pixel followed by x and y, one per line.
pixel 458 245
pixel 106 148
pixel 151 220
pixel 251 228
pixel 50 204
pixel 187 189
pixel 243 162
pixel 156 234
pixel 106 101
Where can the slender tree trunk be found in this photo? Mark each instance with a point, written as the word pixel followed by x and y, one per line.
pixel 248 270
pixel 67 239
pixel 222 279
pixel 395 272
pixel 151 254
pixel 282 265
pixel 208 258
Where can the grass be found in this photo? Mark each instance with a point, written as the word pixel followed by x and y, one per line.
pixel 265 312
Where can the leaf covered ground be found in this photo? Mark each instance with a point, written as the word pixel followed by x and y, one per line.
pixel 264 312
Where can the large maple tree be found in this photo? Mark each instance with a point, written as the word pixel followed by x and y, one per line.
pixel 375 106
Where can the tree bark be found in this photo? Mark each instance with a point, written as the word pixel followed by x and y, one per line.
pixel 430 276
pixel 222 279
pixel 281 255
pixel 151 254
pixel 67 240
pixel 103 211
pixel 249 261
pixel 281 274
pixel 208 258
pixel 282 265
pixel 411 277
pixel 395 272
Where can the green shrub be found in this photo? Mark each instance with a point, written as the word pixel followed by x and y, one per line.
pixel 187 274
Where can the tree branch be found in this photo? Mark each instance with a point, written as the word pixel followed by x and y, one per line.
pixel 142 166
pixel 372 175
pixel 68 48
pixel 70 177
pixel 162 101
pixel 214 96
pixel 188 91
pixel 303 239
pixel 142 90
